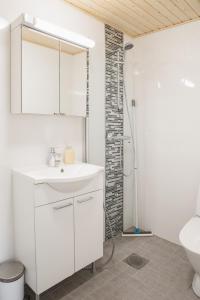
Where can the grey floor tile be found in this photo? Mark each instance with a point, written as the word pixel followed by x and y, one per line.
pixel 46 296
pixel 94 283
pixel 76 282
pixel 167 276
pixel 58 293
pixel 121 289
pixel 183 295
pixel 119 267
pixel 67 297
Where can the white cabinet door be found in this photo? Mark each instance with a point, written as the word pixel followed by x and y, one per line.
pixel 73 80
pixel 54 229
pixel 40 73
pixel 88 211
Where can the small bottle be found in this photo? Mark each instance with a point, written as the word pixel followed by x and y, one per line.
pixel 52 157
pixel 69 157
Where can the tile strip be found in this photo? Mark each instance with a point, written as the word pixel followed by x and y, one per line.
pixel 114 127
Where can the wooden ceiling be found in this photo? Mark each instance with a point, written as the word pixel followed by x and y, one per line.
pixel 139 17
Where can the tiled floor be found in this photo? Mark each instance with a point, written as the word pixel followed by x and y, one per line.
pixel 167 276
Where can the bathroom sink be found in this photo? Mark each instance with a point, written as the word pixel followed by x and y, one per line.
pixel 64 174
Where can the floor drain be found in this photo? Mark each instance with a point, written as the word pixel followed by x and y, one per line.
pixel 136 261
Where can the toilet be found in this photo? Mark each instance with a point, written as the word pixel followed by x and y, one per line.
pixel 190 240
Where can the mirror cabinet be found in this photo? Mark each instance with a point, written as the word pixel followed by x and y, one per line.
pixel 48 75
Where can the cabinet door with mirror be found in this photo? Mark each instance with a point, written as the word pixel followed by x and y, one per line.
pixel 48 76
pixel 73 80
pixel 40 73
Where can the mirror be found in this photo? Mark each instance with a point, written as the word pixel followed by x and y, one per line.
pixel 48 75
pixel 73 79
pixel 40 73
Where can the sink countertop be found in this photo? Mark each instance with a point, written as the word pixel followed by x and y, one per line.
pixel 62 174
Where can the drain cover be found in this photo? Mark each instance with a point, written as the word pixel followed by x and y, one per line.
pixel 136 261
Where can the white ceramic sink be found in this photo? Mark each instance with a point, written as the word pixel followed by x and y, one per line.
pixel 64 174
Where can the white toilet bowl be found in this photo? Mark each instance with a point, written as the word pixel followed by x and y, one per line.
pixel 190 240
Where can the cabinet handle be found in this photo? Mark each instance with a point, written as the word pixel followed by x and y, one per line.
pixel 58 114
pixel 85 200
pixel 62 206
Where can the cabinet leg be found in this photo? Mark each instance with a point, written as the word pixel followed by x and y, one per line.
pixel 94 268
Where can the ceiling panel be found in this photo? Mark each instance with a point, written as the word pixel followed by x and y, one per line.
pixel 139 17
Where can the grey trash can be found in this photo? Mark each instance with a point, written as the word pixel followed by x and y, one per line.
pixel 11 280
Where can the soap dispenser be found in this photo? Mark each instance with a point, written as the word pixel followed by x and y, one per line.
pixel 52 157
pixel 69 156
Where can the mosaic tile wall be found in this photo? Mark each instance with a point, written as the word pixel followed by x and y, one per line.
pixel 114 127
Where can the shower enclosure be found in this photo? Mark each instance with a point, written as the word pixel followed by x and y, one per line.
pixel 131 200
pixel 120 145
pixel 130 211
pixel 124 138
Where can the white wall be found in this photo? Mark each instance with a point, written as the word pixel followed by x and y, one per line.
pixel 25 139
pixel 166 84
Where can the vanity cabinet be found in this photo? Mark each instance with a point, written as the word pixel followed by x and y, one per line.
pixel 57 233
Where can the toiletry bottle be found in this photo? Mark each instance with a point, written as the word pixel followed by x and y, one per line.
pixel 52 157
pixel 69 157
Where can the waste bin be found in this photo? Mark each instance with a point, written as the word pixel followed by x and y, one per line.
pixel 11 280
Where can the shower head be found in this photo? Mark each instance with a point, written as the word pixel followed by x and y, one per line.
pixel 128 46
